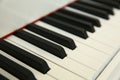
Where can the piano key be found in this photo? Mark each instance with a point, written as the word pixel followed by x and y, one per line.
pixel 78 23
pixel 41 43
pixel 62 74
pixel 15 69
pixel 66 63
pixel 33 61
pixel 87 49
pixel 22 42
pixel 67 27
pixel 109 3
pixel 98 66
pixel 77 16
pixel 38 75
pixel 89 42
pixel 68 42
pixel 107 40
pixel 55 72
pixel 104 35
pixel 84 54
pixel 3 78
pixel 83 59
pixel 97 5
pixel 91 10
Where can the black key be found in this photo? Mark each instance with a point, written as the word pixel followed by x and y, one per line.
pixel 24 56
pixel 78 16
pixel 109 3
pixel 91 10
pixel 42 43
pixel 15 69
pixel 77 23
pixel 65 26
pixel 65 41
pixel 96 5
pixel 3 78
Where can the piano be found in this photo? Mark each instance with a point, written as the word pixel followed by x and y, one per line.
pixel 60 40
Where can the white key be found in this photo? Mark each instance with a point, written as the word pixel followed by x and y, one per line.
pixel 61 73
pixel 65 63
pixel 38 75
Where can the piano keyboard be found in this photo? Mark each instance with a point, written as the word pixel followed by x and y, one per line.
pixel 78 42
